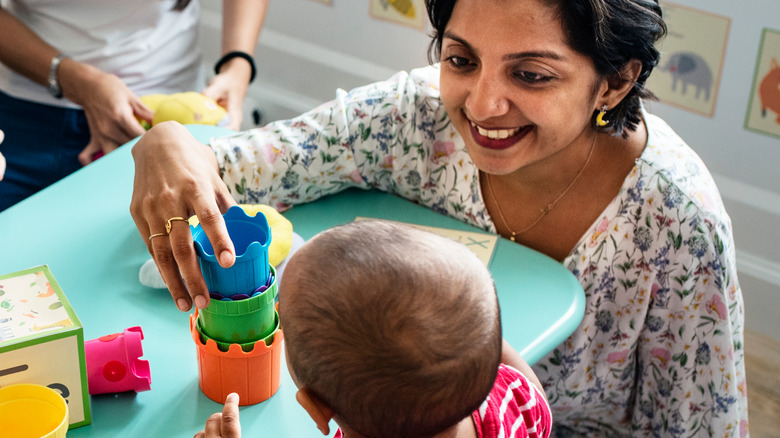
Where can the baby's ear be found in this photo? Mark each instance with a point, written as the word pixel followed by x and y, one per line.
pixel 317 409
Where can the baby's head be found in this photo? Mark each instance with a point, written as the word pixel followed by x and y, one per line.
pixel 396 330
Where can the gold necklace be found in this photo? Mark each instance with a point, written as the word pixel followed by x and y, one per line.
pixel 547 208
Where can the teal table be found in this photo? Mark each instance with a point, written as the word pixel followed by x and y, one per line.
pixel 81 227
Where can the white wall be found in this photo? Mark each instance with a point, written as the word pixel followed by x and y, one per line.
pixel 308 49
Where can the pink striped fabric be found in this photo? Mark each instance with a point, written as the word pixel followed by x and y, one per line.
pixel 515 408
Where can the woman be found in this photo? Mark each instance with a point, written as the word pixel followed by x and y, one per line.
pixel 71 74
pixel 538 133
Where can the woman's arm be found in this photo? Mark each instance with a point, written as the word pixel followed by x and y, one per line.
pixel 286 162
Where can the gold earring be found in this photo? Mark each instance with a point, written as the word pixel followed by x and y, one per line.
pixel 600 117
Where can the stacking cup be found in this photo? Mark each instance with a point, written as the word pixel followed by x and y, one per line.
pixel 255 375
pixel 241 321
pixel 114 364
pixel 251 236
pixel 32 411
pixel 246 346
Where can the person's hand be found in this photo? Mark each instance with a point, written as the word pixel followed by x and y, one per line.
pixel 111 109
pixel 223 424
pixel 175 177
pixel 229 90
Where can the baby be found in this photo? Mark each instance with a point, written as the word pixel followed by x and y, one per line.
pixel 395 332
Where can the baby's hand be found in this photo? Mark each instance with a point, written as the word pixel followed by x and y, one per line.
pixel 223 424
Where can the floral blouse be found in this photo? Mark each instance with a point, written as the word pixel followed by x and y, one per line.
pixel 659 351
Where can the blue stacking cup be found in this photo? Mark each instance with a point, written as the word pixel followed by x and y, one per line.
pixel 251 236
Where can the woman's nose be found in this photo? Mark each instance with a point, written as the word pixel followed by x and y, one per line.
pixel 488 98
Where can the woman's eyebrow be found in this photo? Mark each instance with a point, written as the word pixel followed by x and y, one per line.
pixel 462 41
pixel 545 54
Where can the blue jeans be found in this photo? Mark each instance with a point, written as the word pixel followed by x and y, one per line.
pixel 41 146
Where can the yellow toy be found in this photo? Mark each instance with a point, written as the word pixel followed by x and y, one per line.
pixel 186 108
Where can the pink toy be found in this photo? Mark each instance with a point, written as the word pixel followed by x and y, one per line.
pixel 113 363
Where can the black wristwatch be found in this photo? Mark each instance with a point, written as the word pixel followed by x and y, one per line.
pixel 53 82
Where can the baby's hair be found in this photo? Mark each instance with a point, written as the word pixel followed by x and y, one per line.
pixel 396 329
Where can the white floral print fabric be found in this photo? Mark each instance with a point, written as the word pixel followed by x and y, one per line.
pixel 659 351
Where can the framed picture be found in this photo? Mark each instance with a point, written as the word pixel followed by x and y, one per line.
pixel 692 56
pixel 406 12
pixel 763 113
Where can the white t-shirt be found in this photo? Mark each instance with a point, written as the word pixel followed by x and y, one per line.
pixel 151 47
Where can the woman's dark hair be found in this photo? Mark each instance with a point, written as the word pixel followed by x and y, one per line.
pixel 180 5
pixel 609 32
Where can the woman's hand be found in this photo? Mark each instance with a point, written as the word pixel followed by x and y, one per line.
pixel 112 110
pixel 225 424
pixel 175 177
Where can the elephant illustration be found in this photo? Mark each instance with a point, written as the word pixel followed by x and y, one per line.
pixel 769 91
pixel 689 68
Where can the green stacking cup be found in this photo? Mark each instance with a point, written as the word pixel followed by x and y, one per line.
pixel 246 346
pixel 241 321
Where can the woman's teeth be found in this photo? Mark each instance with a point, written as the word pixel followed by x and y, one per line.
pixel 495 134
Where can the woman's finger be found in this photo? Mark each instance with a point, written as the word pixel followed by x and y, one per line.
pixel 186 260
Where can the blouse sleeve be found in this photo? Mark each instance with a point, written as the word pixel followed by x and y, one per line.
pixel 347 142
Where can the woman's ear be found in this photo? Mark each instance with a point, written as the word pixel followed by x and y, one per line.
pixel 619 84
pixel 317 409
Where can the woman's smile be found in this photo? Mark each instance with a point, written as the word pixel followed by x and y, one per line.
pixel 493 138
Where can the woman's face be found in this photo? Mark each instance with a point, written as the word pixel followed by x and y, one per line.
pixel 513 88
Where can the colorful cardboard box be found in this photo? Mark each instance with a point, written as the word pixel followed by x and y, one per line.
pixel 42 339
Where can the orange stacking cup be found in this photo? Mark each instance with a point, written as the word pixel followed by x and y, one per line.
pixel 253 375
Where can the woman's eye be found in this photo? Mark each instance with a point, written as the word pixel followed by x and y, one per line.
pixel 459 61
pixel 532 77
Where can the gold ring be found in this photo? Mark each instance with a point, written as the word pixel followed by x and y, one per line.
pixel 168 223
pixel 156 235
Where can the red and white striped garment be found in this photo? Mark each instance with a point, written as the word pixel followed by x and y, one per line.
pixel 515 408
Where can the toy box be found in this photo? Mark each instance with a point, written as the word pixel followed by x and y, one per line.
pixel 42 340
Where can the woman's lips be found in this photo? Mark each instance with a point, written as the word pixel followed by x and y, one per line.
pixel 497 138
